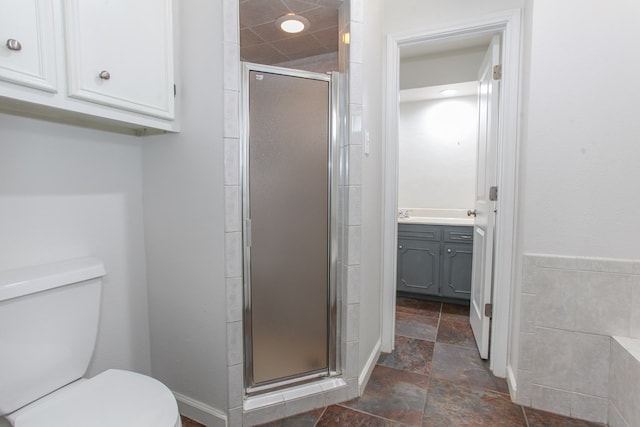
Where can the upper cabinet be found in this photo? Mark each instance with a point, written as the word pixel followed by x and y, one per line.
pixel 27 55
pixel 103 61
pixel 119 53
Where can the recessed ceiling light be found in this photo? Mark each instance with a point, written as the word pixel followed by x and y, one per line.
pixel 292 23
pixel 448 92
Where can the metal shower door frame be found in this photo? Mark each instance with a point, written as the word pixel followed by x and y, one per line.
pixel 333 310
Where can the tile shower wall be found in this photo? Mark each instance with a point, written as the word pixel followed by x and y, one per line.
pixel 277 405
pixel 570 308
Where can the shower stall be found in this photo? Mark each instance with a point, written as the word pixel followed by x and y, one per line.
pixel 290 179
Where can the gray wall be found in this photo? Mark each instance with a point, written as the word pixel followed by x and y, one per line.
pixel 371 253
pixel 437 144
pixel 68 192
pixel 580 151
pixel 184 221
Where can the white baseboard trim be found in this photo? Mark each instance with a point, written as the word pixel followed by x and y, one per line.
pixel 200 412
pixel 511 381
pixel 363 379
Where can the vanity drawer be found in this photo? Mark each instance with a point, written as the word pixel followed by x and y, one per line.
pixel 420 231
pixel 458 234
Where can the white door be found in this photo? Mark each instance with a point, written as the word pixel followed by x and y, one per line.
pixel 482 270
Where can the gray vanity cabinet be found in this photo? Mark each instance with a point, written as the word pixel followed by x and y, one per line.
pixel 418 266
pixel 435 260
pixel 456 268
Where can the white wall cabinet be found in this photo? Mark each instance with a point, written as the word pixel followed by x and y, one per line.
pixel 109 62
pixel 119 54
pixel 28 56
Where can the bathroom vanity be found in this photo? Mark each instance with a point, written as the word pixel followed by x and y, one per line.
pixel 434 259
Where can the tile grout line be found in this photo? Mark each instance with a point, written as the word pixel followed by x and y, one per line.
pixel 426 399
pixel 324 410
pixel 524 414
pixel 438 325
pixel 360 411
pixel 402 370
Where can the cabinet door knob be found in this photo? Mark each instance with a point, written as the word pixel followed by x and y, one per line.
pixel 449 250
pixel 400 247
pixel 13 44
pixel 104 75
pixel 471 212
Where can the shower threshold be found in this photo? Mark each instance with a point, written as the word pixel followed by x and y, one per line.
pixel 319 393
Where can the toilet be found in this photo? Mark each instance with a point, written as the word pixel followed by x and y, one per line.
pixel 48 326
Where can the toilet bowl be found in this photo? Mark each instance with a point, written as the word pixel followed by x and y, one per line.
pixel 48 326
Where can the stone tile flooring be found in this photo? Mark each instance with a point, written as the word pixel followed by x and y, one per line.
pixel 433 378
pixel 188 422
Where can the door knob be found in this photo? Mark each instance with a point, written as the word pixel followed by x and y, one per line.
pixel 13 44
pixel 104 75
pixel 471 212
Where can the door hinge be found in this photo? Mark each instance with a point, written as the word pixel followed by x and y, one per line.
pixel 488 310
pixel 497 72
pixel 493 193
pixel 175 90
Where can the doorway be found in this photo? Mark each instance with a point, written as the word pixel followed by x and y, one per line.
pixel 507 27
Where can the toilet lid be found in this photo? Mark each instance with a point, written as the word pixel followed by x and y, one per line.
pixel 112 398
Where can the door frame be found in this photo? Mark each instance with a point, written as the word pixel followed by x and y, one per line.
pixel 508 24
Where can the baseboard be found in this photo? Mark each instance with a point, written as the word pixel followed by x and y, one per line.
pixel 363 379
pixel 200 412
pixel 511 381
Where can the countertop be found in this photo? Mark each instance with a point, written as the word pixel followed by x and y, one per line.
pixel 436 217
pixel 436 220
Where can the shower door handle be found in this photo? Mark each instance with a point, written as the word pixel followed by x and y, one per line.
pixel 247 233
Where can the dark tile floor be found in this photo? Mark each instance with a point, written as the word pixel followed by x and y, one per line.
pixel 433 378
pixel 188 422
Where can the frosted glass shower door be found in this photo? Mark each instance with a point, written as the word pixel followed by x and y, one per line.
pixel 287 204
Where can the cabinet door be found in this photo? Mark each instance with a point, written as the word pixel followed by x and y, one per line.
pixel 120 53
pixel 456 267
pixel 418 266
pixel 27 53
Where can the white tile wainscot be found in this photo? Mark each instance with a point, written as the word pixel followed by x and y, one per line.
pixel 568 362
pixel 624 382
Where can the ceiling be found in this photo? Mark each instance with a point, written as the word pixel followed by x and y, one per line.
pixel 435 92
pixel 435 47
pixel 262 42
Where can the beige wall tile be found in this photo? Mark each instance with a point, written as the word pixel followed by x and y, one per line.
pixel 589 408
pixel 603 303
pixel 553 358
pixel 591 357
pixel 556 299
pixel 551 400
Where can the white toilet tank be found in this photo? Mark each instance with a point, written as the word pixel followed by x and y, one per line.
pixel 48 326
